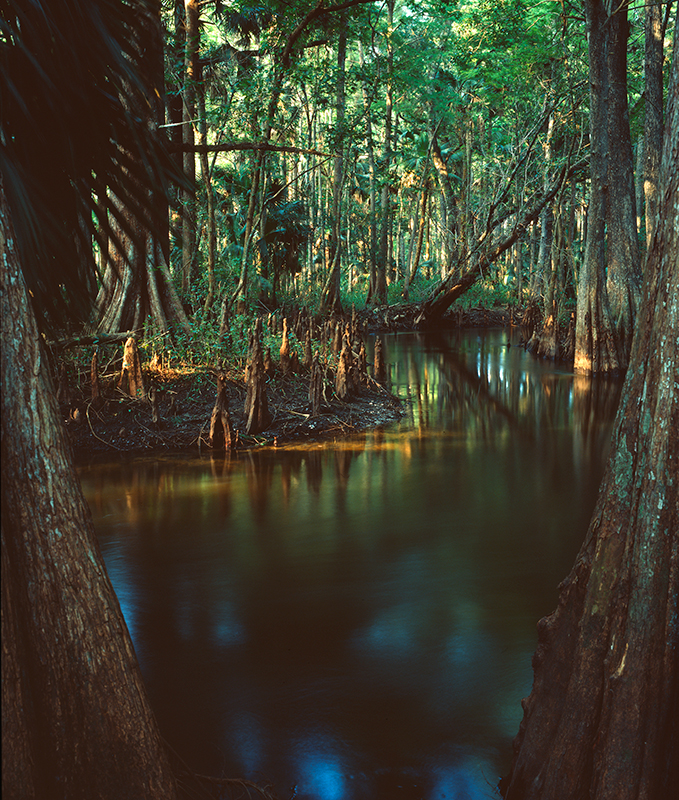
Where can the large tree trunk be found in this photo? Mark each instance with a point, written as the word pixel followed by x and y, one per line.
pixel 623 264
pixel 76 719
pixel 602 720
pixel 137 286
pixel 608 285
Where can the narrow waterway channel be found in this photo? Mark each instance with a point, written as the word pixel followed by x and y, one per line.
pixel 356 619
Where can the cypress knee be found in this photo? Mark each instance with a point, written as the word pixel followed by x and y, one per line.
pixel 379 368
pixel 257 416
pixel 96 395
pixel 285 349
pixel 316 386
pixel 343 377
pixel 221 430
pixel 131 380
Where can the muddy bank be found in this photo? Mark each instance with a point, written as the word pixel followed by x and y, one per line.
pixel 119 423
pixel 403 317
pixel 185 399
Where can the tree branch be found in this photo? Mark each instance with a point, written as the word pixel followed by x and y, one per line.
pixel 229 147
pixel 457 284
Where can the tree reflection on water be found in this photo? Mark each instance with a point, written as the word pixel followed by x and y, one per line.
pixel 357 619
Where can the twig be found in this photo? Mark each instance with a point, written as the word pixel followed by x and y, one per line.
pixel 157 434
pixel 89 421
pixel 298 413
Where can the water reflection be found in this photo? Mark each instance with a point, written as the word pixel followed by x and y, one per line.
pixel 357 620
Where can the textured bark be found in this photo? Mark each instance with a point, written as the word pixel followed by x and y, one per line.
pixel 653 111
pixel 257 414
pixel 316 386
pixel 76 719
pixel 285 353
pixel 602 720
pixel 379 367
pixel 131 379
pixel 623 261
pixel 221 430
pixel 344 378
pixel 608 283
pixel 308 353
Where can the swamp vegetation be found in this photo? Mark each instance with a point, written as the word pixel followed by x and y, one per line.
pixel 183 182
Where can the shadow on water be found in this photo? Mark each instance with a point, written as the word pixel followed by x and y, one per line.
pixel 357 619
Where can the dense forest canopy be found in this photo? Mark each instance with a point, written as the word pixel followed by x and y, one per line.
pixel 338 154
pixel 398 142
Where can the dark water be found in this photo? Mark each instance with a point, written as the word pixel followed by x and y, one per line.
pixel 357 620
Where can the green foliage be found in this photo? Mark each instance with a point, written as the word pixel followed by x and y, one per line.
pixel 489 294
pixel 285 233
pixel 480 77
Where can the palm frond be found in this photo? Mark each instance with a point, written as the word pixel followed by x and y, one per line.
pixel 75 110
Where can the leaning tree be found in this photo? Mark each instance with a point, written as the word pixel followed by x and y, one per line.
pixel 76 718
pixel 602 720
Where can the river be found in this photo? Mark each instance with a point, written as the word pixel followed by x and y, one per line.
pixel 356 619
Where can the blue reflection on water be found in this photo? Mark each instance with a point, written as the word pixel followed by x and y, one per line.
pixel 122 574
pixel 463 782
pixel 321 776
pixel 245 736
pixel 227 630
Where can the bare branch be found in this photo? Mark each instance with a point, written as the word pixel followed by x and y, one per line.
pixel 229 147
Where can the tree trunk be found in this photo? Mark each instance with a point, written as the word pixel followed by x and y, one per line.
pixel 221 431
pixel 450 232
pixel 653 111
pixel 206 175
pixel 448 291
pixel 602 720
pixel 257 416
pixel 367 104
pixel 76 718
pixel 192 44
pixel 378 292
pixel 623 264
pixel 131 294
pixel 608 282
pixel 330 300
pixel 137 282
pixel 544 265
pixel 421 225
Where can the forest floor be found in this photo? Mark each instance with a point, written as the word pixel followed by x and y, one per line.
pixel 185 402
pixel 118 423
